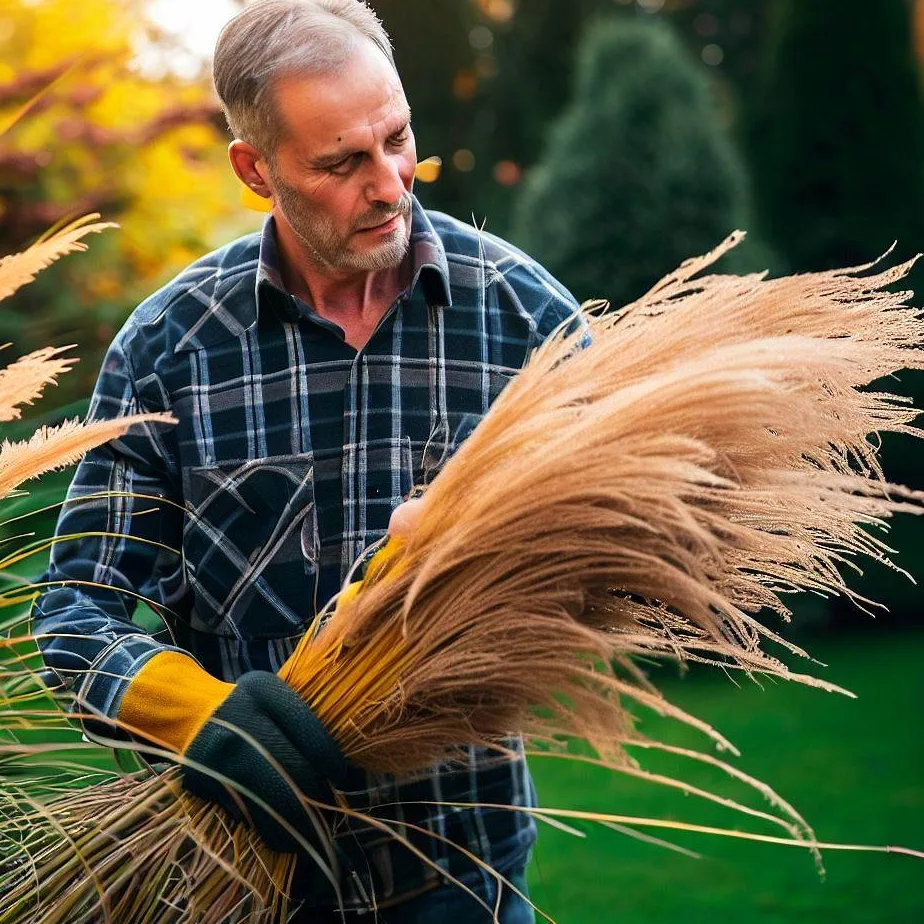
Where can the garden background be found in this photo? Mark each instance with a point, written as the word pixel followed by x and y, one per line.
pixel 610 139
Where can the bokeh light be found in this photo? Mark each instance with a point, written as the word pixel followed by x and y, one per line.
pixel 463 160
pixel 508 172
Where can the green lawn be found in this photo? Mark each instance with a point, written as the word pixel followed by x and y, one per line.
pixel 853 768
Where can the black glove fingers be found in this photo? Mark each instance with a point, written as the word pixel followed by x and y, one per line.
pixel 298 724
pixel 225 751
pixel 266 739
pixel 290 765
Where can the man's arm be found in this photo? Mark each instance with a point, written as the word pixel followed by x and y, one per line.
pixel 118 538
pixel 110 550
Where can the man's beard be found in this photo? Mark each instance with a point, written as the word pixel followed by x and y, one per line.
pixel 332 250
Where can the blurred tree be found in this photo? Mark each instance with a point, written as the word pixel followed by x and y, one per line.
pixel 144 148
pixel 727 34
pixel 536 51
pixel 838 135
pixel 638 174
pixel 534 48
pixel 837 146
pixel 524 65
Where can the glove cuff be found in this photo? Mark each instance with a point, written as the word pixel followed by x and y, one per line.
pixel 170 699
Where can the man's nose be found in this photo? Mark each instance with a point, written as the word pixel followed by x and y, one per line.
pixel 388 184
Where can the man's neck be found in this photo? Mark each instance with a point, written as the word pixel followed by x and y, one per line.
pixel 355 301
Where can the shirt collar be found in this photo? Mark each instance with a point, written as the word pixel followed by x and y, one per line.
pixel 430 266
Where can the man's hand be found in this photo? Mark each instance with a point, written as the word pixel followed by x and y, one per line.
pixel 258 734
pixel 404 518
pixel 266 739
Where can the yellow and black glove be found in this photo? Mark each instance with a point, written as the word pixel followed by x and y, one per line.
pixel 225 727
pixel 258 733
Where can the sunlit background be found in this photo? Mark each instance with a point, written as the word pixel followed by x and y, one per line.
pixel 610 139
pixel 194 27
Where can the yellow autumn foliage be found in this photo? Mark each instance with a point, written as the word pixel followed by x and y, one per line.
pixel 143 146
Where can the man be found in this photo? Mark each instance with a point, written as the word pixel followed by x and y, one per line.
pixel 317 372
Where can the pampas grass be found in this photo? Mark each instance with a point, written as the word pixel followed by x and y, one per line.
pixel 50 448
pixel 24 380
pixel 651 492
pixel 707 453
pixel 20 269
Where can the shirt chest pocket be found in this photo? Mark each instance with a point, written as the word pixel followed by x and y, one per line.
pixel 249 546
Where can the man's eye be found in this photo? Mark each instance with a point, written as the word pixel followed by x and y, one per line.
pixel 400 138
pixel 346 165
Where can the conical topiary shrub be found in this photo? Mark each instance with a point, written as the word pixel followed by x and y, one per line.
pixel 638 172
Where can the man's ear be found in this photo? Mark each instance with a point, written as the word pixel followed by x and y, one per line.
pixel 250 167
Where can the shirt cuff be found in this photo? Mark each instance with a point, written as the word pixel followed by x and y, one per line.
pixel 104 683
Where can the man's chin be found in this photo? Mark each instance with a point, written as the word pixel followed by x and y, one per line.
pixel 387 254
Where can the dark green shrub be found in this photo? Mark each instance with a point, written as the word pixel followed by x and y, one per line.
pixel 638 173
pixel 838 134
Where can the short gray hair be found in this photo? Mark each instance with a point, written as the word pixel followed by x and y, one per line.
pixel 271 39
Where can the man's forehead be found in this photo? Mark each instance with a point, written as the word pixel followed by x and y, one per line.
pixel 359 105
pixel 386 121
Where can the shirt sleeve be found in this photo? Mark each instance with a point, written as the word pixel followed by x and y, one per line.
pixel 118 539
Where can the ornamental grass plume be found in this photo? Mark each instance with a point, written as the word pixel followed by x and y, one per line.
pixel 647 485
pixel 50 448
pixel 23 381
pixel 650 492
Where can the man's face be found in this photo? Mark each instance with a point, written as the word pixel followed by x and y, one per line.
pixel 343 174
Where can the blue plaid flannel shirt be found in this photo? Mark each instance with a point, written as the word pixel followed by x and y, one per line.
pixel 290 452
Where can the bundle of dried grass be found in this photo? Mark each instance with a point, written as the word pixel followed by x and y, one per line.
pixel 647 493
pixel 707 452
